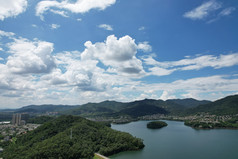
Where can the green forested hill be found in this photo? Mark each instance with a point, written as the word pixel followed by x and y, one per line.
pixel 142 110
pixel 43 108
pixel 5 116
pixel 224 106
pixel 189 102
pixel 96 109
pixel 132 109
pixel 53 140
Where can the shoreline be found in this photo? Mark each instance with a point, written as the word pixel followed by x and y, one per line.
pixel 179 120
pixel 101 156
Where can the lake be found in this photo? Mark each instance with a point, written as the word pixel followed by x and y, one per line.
pixel 177 141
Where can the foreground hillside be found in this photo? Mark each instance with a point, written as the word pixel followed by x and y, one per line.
pixel 53 140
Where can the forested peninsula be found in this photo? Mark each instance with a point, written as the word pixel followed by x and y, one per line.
pixel 70 137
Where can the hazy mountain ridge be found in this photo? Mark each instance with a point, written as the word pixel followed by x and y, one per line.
pixel 227 105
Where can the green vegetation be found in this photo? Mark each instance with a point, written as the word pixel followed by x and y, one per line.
pixel 115 109
pixel 232 124
pixel 97 157
pixel 5 116
pixel 134 109
pixel 53 140
pixel 40 119
pixel 189 102
pixel 156 124
pixel 224 106
pixel 142 110
pixel 41 109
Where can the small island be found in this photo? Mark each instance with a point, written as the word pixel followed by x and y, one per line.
pixel 156 124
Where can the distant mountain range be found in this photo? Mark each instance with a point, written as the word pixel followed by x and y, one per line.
pixel 135 109
pixel 227 105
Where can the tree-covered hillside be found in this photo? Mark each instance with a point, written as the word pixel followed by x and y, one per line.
pixel 189 102
pixel 97 109
pixel 134 109
pixel 53 140
pixel 224 106
pixel 39 109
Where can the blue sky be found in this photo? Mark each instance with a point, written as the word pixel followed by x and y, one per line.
pixel 79 51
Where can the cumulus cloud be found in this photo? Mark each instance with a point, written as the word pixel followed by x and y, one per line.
pixel 106 27
pixel 84 75
pixel 80 6
pixel 30 57
pixel 203 10
pixel 32 73
pixel 119 54
pixel 11 8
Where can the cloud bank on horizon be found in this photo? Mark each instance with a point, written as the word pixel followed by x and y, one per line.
pixel 79 51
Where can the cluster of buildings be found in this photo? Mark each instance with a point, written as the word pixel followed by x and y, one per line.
pixel 203 117
pixel 19 119
pixel 16 120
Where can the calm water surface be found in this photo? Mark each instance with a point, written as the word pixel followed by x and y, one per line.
pixel 177 141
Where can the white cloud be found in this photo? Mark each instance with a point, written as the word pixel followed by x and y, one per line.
pixel 116 53
pixel 227 11
pixel 167 95
pixel 104 70
pixel 62 13
pixel 158 71
pixel 203 10
pixel 141 28
pixel 79 19
pixel 54 26
pixel 29 57
pixel 199 87
pixel 144 46
pixel 216 62
pixel 1 59
pixel 7 34
pixel 34 25
pixel 80 6
pixel 106 27
pixel 11 8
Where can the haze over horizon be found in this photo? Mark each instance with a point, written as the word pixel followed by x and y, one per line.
pixel 78 51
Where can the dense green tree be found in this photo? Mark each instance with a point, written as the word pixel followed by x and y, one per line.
pixel 156 124
pixel 53 140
